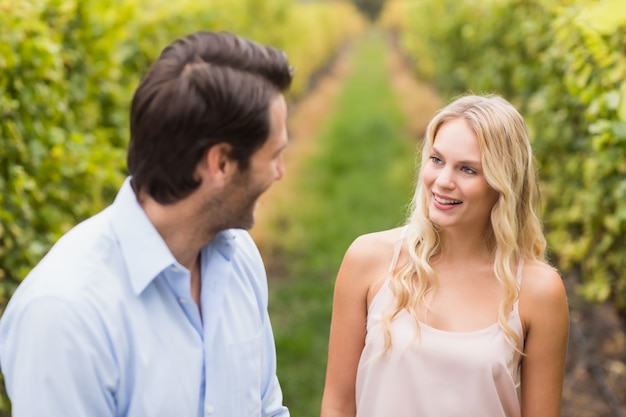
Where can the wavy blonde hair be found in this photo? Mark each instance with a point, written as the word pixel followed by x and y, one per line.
pixel 515 232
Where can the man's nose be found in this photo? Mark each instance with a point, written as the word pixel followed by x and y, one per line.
pixel 280 168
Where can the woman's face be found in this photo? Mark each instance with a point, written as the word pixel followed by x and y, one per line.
pixel 458 193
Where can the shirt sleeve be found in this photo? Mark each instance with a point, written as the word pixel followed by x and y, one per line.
pixel 272 394
pixel 56 362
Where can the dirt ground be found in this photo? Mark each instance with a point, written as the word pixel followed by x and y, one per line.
pixel 595 380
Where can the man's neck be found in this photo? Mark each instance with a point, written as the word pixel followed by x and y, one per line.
pixel 178 226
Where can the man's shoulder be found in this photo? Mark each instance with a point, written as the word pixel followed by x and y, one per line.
pixel 91 244
pixel 74 279
pixel 83 257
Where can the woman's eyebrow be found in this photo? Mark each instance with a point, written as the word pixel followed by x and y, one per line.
pixel 463 162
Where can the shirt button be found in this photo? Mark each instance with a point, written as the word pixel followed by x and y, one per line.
pixel 182 300
pixel 209 409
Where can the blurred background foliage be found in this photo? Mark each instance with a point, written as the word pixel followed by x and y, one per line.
pixel 563 63
pixel 68 69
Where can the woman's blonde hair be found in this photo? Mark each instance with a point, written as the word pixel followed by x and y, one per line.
pixel 515 232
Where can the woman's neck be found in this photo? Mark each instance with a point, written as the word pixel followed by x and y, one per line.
pixel 463 248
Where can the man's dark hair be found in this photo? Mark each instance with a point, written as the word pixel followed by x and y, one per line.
pixel 204 89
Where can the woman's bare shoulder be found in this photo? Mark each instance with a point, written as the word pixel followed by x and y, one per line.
pixel 539 280
pixel 376 246
pixel 384 237
pixel 369 256
pixel 542 293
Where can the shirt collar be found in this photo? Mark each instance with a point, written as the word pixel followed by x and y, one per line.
pixel 224 243
pixel 145 253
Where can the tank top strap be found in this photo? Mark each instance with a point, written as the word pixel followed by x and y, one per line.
pixel 397 249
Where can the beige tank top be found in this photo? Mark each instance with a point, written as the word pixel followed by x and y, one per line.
pixel 439 373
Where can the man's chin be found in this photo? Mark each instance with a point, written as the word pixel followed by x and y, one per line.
pixel 248 220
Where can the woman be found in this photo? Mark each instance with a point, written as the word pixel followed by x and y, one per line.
pixel 457 313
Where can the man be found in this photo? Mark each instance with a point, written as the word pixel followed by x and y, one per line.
pixel 157 306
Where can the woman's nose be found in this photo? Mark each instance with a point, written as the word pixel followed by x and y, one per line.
pixel 445 179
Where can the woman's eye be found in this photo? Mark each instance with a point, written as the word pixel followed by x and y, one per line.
pixel 435 160
pixel 468 170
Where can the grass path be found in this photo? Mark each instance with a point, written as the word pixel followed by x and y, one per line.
pixel 350 170
pixel 304 122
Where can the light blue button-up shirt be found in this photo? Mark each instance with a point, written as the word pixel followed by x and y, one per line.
pixel 105 325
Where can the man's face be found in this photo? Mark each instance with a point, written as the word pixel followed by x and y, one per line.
pixel 266 166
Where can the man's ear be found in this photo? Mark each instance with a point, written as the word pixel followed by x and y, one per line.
pixel 218 162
